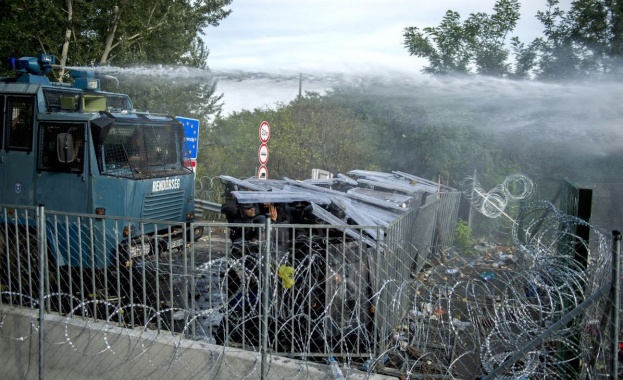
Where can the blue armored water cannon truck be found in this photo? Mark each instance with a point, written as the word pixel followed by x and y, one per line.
pixel 76 149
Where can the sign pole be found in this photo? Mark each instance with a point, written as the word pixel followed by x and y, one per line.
pixel 262 152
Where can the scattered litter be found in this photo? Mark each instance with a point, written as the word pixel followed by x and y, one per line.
pixel 369 364
pixel 439 312
pixel 460 325
pixel 427 308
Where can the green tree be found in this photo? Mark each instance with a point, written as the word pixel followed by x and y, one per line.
pixel 432 136
pixel 525 58
pixel 576 42
pixel 584 41
pixel 324 135
pixel 615 19
pixel 447 47
pixel 490 51
pixel 230 145
pixel 116 32
pixel 479 43
pixel 22 32
pixel 152 30
pixel 310 132
pixel 373 126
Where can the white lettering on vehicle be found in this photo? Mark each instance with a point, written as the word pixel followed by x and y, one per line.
pixel 166 184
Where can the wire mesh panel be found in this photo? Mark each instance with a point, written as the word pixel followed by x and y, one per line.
pixel 423 239
pixel 19 256
pixel 282 299
pixel 89 269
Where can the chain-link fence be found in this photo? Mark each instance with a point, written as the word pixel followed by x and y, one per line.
pixel 511 302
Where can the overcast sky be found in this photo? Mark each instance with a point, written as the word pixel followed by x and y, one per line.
pixel 315 37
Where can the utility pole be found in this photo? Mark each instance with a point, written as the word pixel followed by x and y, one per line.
pixel 300 85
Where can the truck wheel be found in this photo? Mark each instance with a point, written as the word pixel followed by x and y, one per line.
pixel 198 233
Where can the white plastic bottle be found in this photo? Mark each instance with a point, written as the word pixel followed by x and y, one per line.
pixel 336 371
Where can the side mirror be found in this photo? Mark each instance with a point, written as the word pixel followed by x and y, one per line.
pixel 65 148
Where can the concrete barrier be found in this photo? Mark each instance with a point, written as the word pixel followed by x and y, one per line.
pixel 80 348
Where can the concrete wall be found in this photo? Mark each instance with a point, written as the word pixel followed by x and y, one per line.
pixel 76 348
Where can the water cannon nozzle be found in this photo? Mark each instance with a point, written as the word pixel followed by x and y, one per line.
pixel 40 65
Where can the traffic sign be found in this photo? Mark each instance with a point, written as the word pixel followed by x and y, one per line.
pixel 191 132
pixel 192 163
pixel 262 154
pixel 262 172
pixel 264 132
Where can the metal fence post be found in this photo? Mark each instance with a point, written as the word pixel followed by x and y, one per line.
pixel 471 206
pixel 265 300
pixel 42 277
pixel 615 294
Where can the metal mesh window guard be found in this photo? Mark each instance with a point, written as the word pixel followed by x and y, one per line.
pixel 143 151
pixel 19 122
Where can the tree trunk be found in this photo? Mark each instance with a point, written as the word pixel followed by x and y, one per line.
pixel 111 36
pixel 616 11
